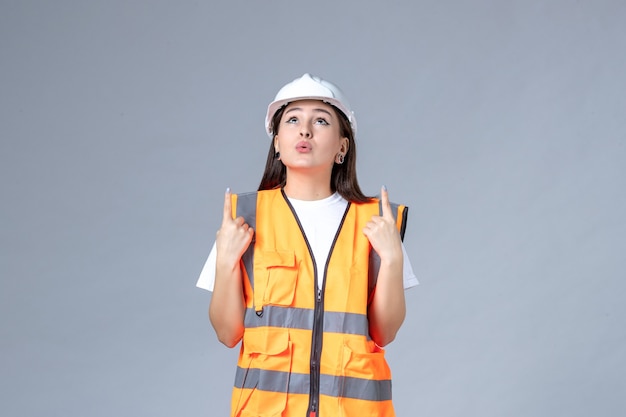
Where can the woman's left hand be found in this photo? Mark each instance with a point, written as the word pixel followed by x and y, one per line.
pixel 382 233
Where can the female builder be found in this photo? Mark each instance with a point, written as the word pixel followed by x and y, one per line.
pixel 309 272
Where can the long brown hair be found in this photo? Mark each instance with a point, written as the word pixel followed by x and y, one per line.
pixel 343 177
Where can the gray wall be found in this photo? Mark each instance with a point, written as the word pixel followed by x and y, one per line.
pixel 500 123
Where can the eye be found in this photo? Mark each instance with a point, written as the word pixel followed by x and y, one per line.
pixel 292 119
pixel 321 121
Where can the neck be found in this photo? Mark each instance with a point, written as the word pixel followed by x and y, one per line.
pixel 304 186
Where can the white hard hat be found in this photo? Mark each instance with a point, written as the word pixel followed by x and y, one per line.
pixel 309 87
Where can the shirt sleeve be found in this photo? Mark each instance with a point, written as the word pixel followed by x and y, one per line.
pixel 409 278
pixel 207 275
pixel 206 281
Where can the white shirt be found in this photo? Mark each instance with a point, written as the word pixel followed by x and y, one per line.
pixel 320 220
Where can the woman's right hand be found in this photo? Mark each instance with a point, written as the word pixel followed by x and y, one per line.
pixel 233 237
pixel 227 303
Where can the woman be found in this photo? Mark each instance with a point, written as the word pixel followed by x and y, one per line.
pixel 309 272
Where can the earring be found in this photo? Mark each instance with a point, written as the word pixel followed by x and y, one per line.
pixel 277 155
pixel 340 158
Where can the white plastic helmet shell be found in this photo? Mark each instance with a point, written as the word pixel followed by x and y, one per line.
pixel 309 87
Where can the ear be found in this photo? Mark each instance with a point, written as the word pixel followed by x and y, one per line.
pixel 345 145
pixel 276 143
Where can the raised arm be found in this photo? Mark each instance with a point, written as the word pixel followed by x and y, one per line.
pixel 387 308
pixel 227 306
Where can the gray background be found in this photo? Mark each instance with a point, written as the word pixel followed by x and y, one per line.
pixel 500 123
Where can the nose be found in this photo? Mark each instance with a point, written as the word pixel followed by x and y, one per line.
pixel 305 132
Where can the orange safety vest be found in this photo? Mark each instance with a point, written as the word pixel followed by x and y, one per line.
pixel 306 351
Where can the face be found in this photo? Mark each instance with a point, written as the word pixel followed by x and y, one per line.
pixel 309 136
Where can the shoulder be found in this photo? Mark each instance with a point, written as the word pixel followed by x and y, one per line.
pixel 248 203
pixel 249 194
pixel 254 195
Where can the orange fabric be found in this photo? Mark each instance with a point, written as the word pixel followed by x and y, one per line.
pixel 284 276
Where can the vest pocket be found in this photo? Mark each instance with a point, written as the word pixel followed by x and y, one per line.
pixel 368 363
pixel 365 387
pixel 267 354
pixel 281 273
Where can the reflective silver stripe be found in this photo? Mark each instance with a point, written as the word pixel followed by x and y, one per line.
pixel 347 323
pixel 246 208
pixel 333 386
pixel 359 388
pixel 405 216
pixel 275 381
pixel 302 318
pixel 275 316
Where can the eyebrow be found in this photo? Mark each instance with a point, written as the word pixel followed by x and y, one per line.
pixel 316 109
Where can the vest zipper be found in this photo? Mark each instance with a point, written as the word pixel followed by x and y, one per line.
pixel 316 351
pixel 318 323
pixel 318 314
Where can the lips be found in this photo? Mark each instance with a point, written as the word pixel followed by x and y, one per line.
pixel 303 146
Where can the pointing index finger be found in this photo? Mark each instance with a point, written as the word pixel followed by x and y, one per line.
pixel 228 215
pixel 384 197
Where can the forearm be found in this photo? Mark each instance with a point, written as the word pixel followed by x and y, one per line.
pixel 387 309
pixel 227 307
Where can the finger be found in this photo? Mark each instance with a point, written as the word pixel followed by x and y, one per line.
pixel 228 215
pixel 384 196
pixel 369 227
